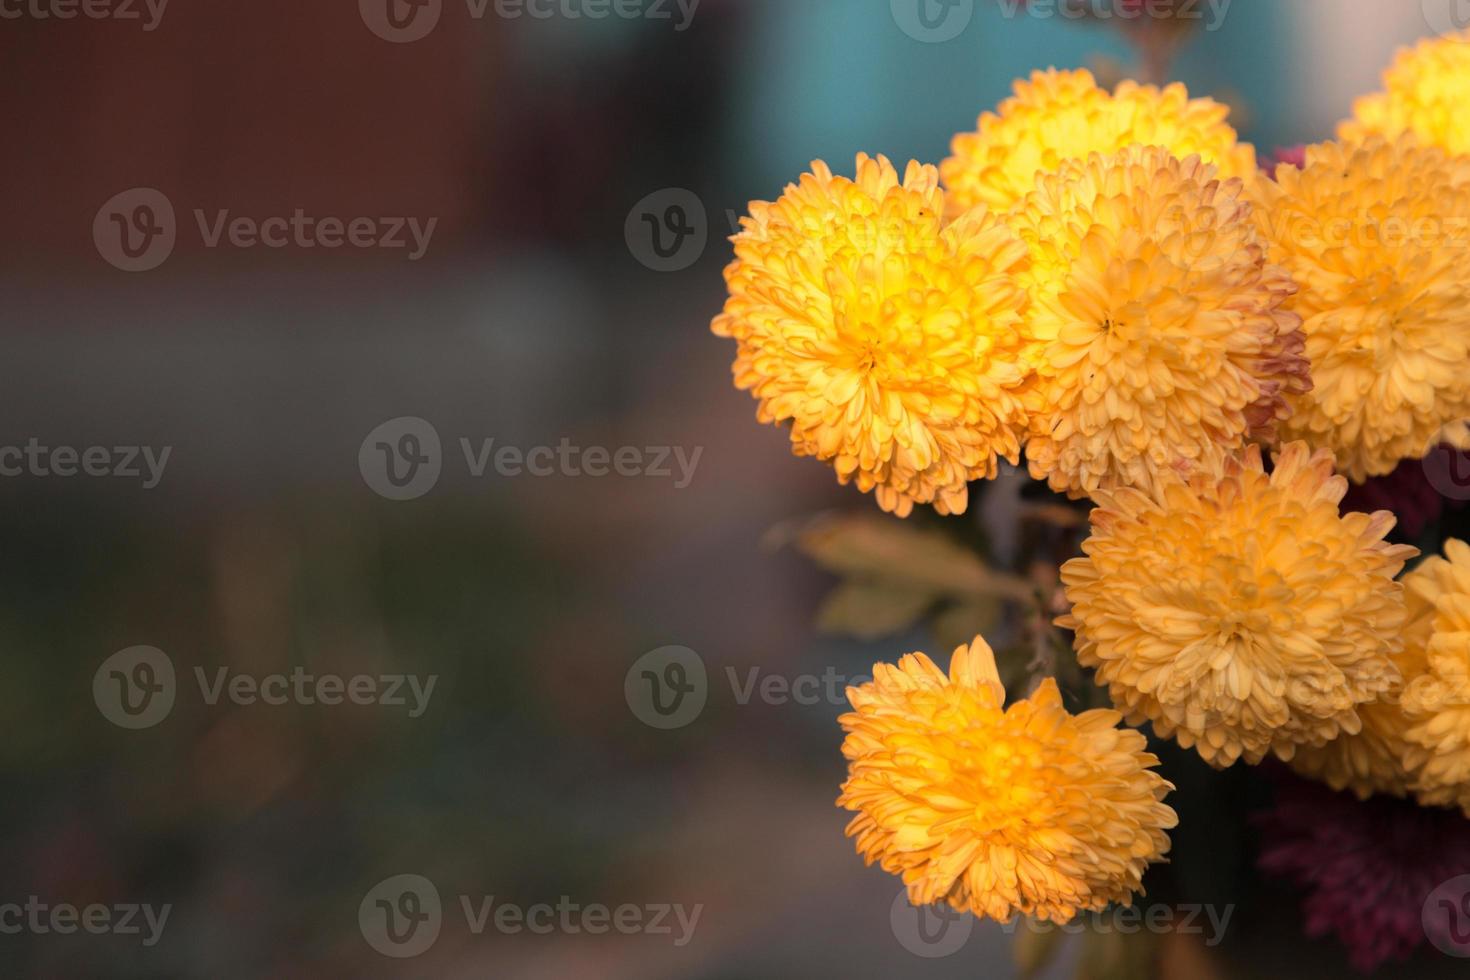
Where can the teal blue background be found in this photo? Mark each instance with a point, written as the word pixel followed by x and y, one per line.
pixel 829 78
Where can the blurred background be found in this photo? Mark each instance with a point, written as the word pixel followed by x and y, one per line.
pixel 572 180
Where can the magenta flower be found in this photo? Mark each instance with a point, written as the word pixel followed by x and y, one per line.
pixel 1365 869
pixel 1417 492
pixel 1406 491
pixel 1296 156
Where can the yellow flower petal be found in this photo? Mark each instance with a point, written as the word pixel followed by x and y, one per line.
pixel 996 810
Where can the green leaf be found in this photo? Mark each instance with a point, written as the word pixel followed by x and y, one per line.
pixel 895 572
pixel 870 610
pixel 892 551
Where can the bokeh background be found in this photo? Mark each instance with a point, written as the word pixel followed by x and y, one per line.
pixel 530 319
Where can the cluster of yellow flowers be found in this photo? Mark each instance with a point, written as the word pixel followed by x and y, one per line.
pixel 1418 740
pixel 1376 234
pixel 1106 280
pixel 1107 283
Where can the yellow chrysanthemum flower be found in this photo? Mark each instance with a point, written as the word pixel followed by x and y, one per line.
pixel 1237 611
pixel 1063 115
pixel 1373 760
pixel 1424 94
pixel 1437 704
pixel 889 340
pixel 1377 237
pixel 1165 344
pixel 995 810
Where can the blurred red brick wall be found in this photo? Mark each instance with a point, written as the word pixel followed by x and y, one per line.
pixel 258 106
